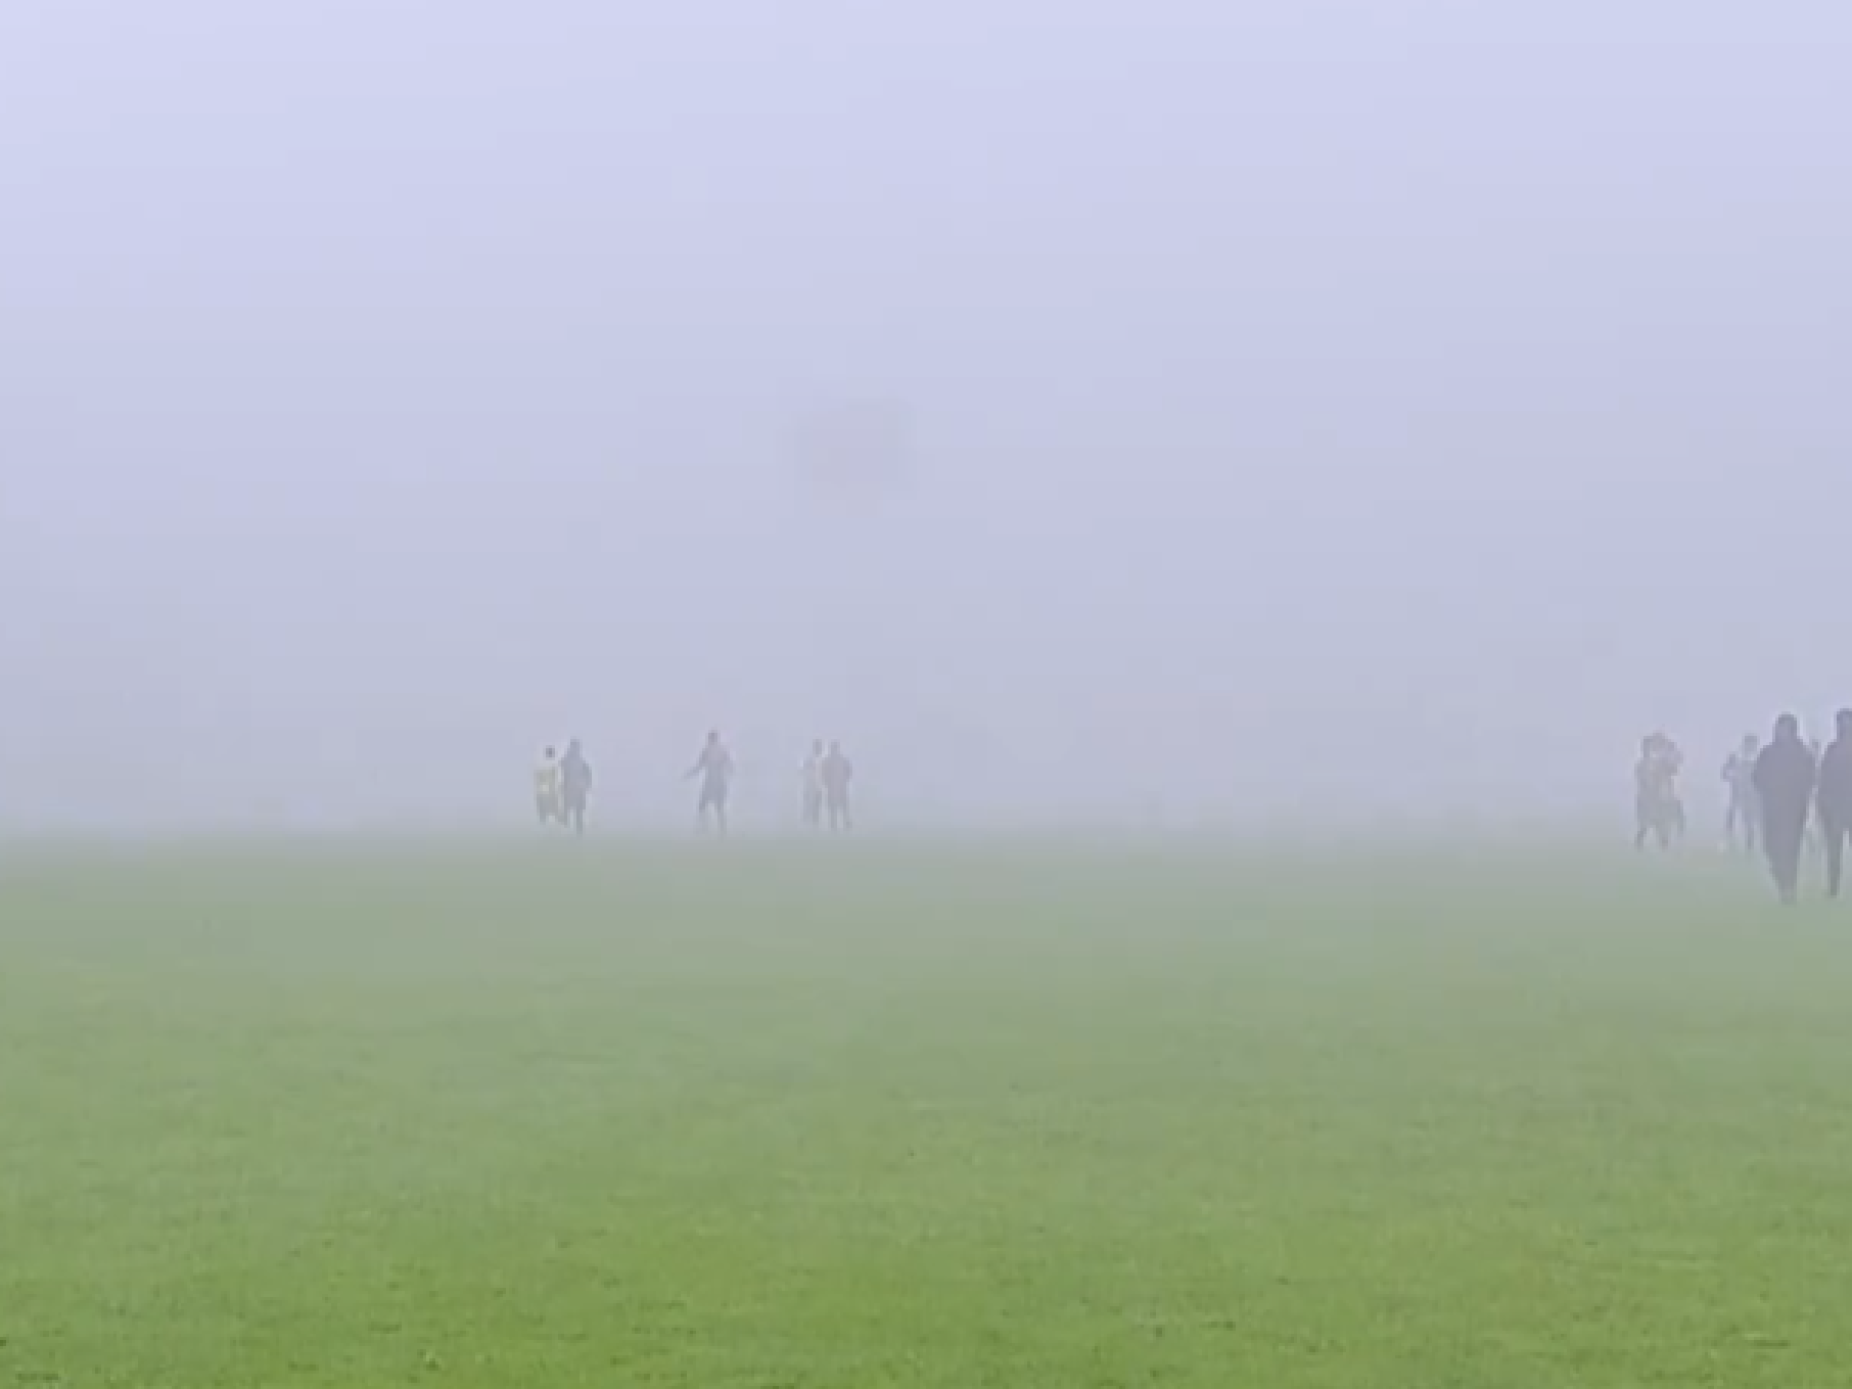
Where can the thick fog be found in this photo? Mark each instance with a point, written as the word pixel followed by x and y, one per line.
pixel 1106 410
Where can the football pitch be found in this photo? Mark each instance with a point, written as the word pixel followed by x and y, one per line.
pixel 950 1115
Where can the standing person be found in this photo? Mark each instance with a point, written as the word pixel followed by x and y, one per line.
pixel 1812 841
pixel 546 789
pixel 1834 799
pixel 1784 779
pixel 1651 796
pixel 576 778
pixel 714 765
pixel 1672 766
pixel 1742 822
pixel 838 772
pixel 813 787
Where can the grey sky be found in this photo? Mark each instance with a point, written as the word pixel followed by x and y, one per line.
pixel 387 386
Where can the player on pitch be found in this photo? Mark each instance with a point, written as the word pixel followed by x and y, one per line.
pixel 813 787
pixel 1785 779
pixel 1833 800
pixel 1742 821
pixel 576 784
pixel 838 772
pixel 546 790
pixel 714 766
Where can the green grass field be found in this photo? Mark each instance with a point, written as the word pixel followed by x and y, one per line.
pixel 952 1116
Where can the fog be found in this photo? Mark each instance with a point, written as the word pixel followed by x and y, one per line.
pixel 1179 411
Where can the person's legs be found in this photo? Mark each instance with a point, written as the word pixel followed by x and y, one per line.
pixel 1837 832
pixel 1782 839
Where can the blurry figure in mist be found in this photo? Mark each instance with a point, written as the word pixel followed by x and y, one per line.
pixel 547 790
pixel 1834 799
pixel 1742 822
pixel 1785 776
pixel 576 786
pixel 1655 794
pixel 1812 841
pixel 838 772
pixel 714 766
pixel 1673 758
pixel 813 787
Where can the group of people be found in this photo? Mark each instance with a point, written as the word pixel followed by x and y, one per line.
pixel 563 786
pixel 827 774
pixel 1783 796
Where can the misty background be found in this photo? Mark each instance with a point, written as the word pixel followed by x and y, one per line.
pixel 1109 410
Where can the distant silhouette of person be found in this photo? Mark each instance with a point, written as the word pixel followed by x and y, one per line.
pixel 813 787
pixel 714 766
pixel 1742 822
pixel 1834 799
pixel 838 772
pixel 1785 776
pixel 1672 761
pixel 576 784
pixel 1652 794
pixel 547 789
pixel 1812 840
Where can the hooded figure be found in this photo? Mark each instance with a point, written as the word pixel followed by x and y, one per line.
pixel 1784 780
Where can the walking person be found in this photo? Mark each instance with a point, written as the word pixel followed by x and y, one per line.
pixel 838 772
pixel 1785 778
pixel 714 766
pixel 1833 800
pixel 576 784
pixel 1742 822
pixel 546 790
pixel 813 787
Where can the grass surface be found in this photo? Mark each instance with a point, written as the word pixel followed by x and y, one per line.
pixel 946 1116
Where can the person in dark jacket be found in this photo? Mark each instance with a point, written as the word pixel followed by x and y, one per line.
pixel 1834 799
pixel 576 785
pixel 1785 777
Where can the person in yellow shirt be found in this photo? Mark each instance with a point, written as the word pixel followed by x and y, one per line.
pixel 546 790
